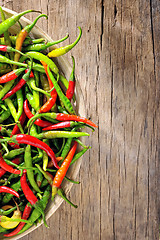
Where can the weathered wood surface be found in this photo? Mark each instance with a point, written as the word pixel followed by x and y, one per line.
pixel 117 65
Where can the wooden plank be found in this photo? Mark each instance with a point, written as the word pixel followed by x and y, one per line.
pixel 117 65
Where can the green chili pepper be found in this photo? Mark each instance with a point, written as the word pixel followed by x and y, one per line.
pixel 61 134
pixel 43 46
pixel 30 173
pixel 5 115
pixel 45 156
pixel 39 56
pixel 20 104
pixel 32 83
pixel 5 25
pixel 39 178
pixel 14 153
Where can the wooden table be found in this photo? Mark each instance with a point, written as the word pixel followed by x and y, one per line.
pixel 117 66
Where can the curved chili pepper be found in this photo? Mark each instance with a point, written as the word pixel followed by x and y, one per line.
pixel 7 167
pixel 3 171
pixel 71 87
pixel 60 174
pixel 12 20
pixel 30 196
pixel 19 85
pixel 51 101
pixel 23 34
pixel 62 50
pixel 4 189
pixel 11 75
pixel 25 216
pixel 39 56
pixel 33 141
pixel 38 122
pixel 43 46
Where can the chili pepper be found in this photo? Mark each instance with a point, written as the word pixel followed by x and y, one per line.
pixel 5 115
pixel 21 120
pixel 25 216
pixel 31 197
pixel 11 75
pixel 60 134
pixel 22 35
pixel 32 83
pixel 2 171
pixel 62 50
pixel 71 87
pixel 31 99
pixel 7 197
pixel 33 141
pixel 12 20
pixel 59 125
pixel 51 101
pixel 28 163
pixel 20 84
pixel 39 56
pixel 45 156
pixel 36 214
pixel 43 46
pixel 4 59
pixel 4 189
pixel 7 167
pixel 13 153
pixel 60 174
pixel 62 117
pixel 61 95
pixel 38 122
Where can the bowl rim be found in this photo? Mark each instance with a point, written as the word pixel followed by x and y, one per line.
pixel 63 61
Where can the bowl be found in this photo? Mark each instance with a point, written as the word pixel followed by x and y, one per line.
pixel 66 69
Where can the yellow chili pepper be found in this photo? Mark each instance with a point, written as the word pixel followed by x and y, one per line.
pixel 9 223
pixel 62 50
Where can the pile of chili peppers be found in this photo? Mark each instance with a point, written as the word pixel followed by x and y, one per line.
pixel 39 129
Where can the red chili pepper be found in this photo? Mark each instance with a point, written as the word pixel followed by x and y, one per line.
pixel 8 190
pixel 19 85
pixel 30 195
pixel 68 117
pixel 7 167
pixel 11 75
pixel 16 128
pixel 38 122
pixel 51 101
pixel 60 174
pixel 26 190
pixel 25 216
pixel 2 171
pixel 33 141
pixel 59 125
pixel 71 87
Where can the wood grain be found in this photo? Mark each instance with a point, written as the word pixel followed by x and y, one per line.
pixel 117 66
